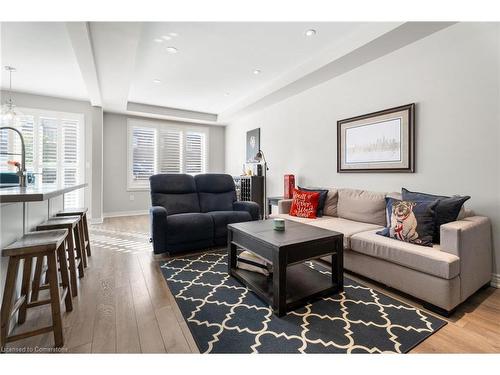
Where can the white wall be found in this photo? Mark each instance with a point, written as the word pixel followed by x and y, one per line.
pixel 452 76
pixel 116 198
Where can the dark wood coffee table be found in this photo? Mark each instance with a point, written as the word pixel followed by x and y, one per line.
pixel 292 283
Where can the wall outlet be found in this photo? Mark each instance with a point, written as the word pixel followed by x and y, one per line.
pixel 131 197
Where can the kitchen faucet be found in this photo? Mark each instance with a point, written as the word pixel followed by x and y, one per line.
pixel 22 169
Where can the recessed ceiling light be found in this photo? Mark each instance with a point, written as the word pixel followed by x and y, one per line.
pixel 256 71
pixel 173 34
pixel 310 32
pixel 156 81
pixel 158 40
pixel 172 50
pixel 166 37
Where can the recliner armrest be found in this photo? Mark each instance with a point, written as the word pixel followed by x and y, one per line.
pixel 251 207
pixel 470 240
pixel 284 206
pixel 158 216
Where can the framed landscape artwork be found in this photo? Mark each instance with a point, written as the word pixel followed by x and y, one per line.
pixel 253 144
pixel 382 141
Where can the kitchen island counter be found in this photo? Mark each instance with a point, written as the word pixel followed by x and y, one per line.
pixel 35 193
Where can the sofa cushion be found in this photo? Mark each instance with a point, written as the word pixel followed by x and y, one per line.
pixel 222 218
pixel 344 226
pixel 331 202
pixel 189 227
pixel 432 261
pixel 362 205
pixel 216 192
pixel 176 192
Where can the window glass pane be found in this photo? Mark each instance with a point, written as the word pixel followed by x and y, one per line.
pixel 49 175
pixel 170 144
pixel 143 153
pixel 4 148
pixel 48 140
pixel 70 141
pixel 195 150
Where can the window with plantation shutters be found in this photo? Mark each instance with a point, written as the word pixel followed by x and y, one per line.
pixel 143 153
pixel 54 151
pixel 194 160
pixel 71 163
pixel 158 148
pixel 170 151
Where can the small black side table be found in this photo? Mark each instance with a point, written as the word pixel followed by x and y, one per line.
pixel 272 201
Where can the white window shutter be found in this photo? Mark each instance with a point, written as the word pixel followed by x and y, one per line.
pixel 143 153
pixel 195 152
pixel 4 148
pixel 170 151
pixel 70 160
pixel 48 140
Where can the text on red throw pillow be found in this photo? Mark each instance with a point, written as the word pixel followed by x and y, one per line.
pixel 304 204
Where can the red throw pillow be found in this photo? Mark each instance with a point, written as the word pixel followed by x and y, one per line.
pixel 304 204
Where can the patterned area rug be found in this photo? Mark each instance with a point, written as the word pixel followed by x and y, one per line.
pixel 225 317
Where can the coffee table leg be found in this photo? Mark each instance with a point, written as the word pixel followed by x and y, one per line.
pixel 231 254
pixel 338 265
pixel 279 284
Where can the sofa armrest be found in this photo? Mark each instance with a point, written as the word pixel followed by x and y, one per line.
pixel 158 219
pixel 251 207
pixel 284 206
pixel 470 240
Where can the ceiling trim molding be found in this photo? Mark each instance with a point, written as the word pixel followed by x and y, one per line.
pixel 171 113
pixel 79 35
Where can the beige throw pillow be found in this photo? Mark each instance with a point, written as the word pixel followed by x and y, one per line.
pixel 362 205
pixel 331 202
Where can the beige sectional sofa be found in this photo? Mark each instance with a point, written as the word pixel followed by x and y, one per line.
pixel 441 276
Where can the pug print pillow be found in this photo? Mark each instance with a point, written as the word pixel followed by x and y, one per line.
pixel 410 221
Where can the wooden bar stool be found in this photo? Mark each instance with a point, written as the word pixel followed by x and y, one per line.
pixel 49 244
pixel 82 212
pixel 73 244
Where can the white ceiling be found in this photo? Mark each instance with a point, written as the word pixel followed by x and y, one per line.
pixel 214 66
pixel 43 56
pixel 210 79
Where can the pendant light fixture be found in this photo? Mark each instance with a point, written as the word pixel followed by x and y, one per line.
pixel 9 114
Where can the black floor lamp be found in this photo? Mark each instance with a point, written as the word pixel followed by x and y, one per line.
pixel 261 158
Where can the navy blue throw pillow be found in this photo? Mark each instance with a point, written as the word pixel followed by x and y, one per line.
pixel 446 211
pixel 322 199
pixel 410 221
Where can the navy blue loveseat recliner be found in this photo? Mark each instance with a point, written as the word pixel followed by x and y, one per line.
pixel 192 213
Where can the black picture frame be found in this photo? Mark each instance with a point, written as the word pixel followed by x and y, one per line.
pixel 253 144
pixel 407 141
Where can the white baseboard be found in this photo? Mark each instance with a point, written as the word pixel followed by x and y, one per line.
pixel 97 220
pixel 125 213
pixel 495 280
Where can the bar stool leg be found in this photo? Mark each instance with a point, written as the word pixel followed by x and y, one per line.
pixel 25 289
pixel 10 285
pixel 72 263
pixel 63 269
pixel 79 251
pixel 37 279
pixel 86 229
pixel 81 241
pixel 55 301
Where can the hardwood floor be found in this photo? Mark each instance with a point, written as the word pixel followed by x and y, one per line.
pixel 125 306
